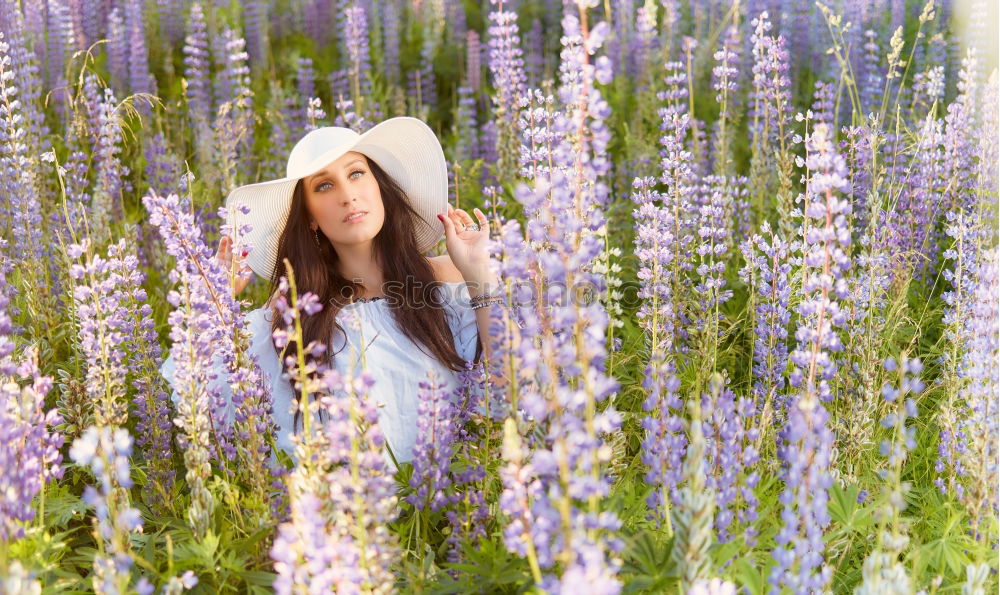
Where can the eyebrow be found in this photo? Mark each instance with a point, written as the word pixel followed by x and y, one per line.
pixel 324 172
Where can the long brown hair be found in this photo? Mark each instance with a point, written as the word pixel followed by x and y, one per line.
pixel 415 302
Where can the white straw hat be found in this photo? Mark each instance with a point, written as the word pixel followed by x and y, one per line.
pixel 405 148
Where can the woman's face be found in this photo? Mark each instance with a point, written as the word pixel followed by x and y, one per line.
pixel 344 201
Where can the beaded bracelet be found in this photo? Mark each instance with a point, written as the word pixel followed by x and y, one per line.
pixel 485 297
pixel 495 299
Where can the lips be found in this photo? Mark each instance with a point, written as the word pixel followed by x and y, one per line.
pixel 355 217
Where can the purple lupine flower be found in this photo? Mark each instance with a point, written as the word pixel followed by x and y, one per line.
pixel 470 516
pixel 620 43
pixel 641 54
pixel 534 65
pixel 768 265
pixel 882 571
pixel 530 519
pixel 340 86
pixel 390 41
pixel 77 189
pixel 233 124
pixel 928 87
pixel 297 106
pixel 537 136
pixel 106 203
pixel 193 332
pixel 106 452
pixel 507 71
pixel 827 236
pixel 282 109
pixel 314 113
pixel 989 143
pixel 712 240
pixel 473 61
pixel 221 84
pixel 466 126
pixel 771 162
pixel 315 19
pixel 356 44
pixel 163 168
pixel 434 448
pixel 424 79
pixel 980 369
pixel 960 147
pixel 207 322
pixel 904 437
pixel 968 444
pixel 454 16
pixel 197 68
pixel 31 25
pixel 170 18
pixel 347 118
pixel 749 474
pixel 824 104
pixel 118 50
pixel 957 301
pixel 17 173
pixel 561 243
pixel 489 139
pixel 140 79
pixel 342 492
pixel 153 426
pixel 725 77
pixel 60 42
pixel 103 324
pixel 433 37
pixel 254 18
pixel 731 430
pixel 806 438
pixel 724 436
pixel 305 552
pixel 919 205
pixel 857 150
pixel 870 86
pixel 664 443
pixel 26 79
pixel 29 444
pixel 677 177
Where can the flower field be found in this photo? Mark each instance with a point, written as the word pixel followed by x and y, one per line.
pixel 750 340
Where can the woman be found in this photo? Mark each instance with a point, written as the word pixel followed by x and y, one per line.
pixel 354 216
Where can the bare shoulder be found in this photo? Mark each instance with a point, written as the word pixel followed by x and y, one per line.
pixel 444 269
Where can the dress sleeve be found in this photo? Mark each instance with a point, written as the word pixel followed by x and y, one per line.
pixel 462 319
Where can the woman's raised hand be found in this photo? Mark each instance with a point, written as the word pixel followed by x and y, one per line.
pixel 468 248
pixel 225 257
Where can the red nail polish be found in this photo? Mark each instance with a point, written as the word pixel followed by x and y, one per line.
pixel 441 218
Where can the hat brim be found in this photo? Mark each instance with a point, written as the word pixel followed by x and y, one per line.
pixel 405 148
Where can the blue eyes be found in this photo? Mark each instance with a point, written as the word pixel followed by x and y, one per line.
pixel 323 186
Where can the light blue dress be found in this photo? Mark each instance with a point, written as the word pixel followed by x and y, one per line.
pixel 396 363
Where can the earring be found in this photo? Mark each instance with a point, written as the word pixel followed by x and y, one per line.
pixel 316 237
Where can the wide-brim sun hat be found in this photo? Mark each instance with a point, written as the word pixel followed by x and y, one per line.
pixel 405 148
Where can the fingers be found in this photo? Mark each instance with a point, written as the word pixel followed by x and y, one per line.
pixel 456 219
pixel 460 216
pixel 484 223
pixel 464 217
pixel 224 248
pixel 449 225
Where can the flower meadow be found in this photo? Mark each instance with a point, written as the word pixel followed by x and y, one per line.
pixel 750 342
